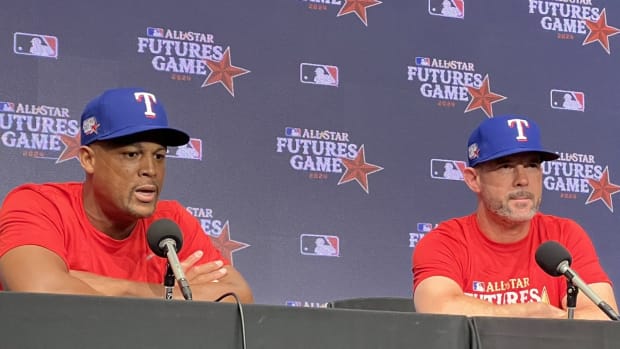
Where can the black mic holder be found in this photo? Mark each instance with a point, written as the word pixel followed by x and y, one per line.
pixel 571 298
pixel 169 280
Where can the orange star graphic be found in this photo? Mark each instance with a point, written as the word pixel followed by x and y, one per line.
pixel 72 148
pixel 358 169
pixel 483 98
pixel 359 7
pixel 603 190
pixel 225 245
pixel 223 72
pixel 600 31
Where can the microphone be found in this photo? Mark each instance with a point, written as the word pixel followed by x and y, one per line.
pixel 555 260
pixel 165 240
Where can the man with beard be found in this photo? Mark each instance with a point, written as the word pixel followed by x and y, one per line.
pixel 483 264
pixel 90 237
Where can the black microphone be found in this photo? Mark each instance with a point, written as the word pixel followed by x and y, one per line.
pixel 165 240
pixel 555 260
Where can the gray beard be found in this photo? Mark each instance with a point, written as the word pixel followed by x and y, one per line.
pixel 503 210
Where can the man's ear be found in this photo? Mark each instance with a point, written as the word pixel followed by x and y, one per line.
pixel 87 159
pixel 472 179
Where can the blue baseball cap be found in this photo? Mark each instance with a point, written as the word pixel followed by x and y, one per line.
pixel 128 111
pixel 505 135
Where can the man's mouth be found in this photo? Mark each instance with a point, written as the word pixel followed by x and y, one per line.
pixel 146 193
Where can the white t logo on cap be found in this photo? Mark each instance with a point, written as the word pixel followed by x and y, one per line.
pixel 148 99
pixel 520 123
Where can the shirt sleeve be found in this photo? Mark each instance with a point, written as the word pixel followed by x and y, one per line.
pixel 436 255
pixel 29 217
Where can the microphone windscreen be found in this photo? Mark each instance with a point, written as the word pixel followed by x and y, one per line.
pixel 550 254
pixel 163 229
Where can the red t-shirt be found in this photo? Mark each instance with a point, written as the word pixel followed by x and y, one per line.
pixel 52 216
pixel 504 273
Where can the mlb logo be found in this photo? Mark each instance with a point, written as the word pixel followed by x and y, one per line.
pixel 478 286
pixel 447 8
pixel 320 245
pixel 35 45
pixel 7 106
pixel 155 32
pixel 568 100
pixel 192 150
pixel 293 132
pixel 318 74
pixel 425 227
pixel 447 169
pixel 423 61
pixel 294 304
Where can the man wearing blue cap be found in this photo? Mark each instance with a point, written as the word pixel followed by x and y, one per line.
pixel 90 237
pixel 483 264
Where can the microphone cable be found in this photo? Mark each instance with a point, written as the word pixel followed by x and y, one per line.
pixel 240 309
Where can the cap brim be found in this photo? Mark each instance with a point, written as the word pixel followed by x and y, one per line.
pixel 545 155
pixel 163 135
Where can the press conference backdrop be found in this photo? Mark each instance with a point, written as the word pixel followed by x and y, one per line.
pixel 327 136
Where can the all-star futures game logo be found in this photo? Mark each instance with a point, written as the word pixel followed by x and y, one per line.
pixel 453 81
pixel 357 7
pixel 322 152
pixel 218 230
pixel 186 54
pixel 39 131
pixel 575 173
pixel 572 18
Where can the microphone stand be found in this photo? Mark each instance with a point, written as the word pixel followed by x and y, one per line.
pixel 565 269
pixel 571 298
pixel 169 280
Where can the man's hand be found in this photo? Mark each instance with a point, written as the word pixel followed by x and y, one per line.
pixel 211 280
pixel 207 272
